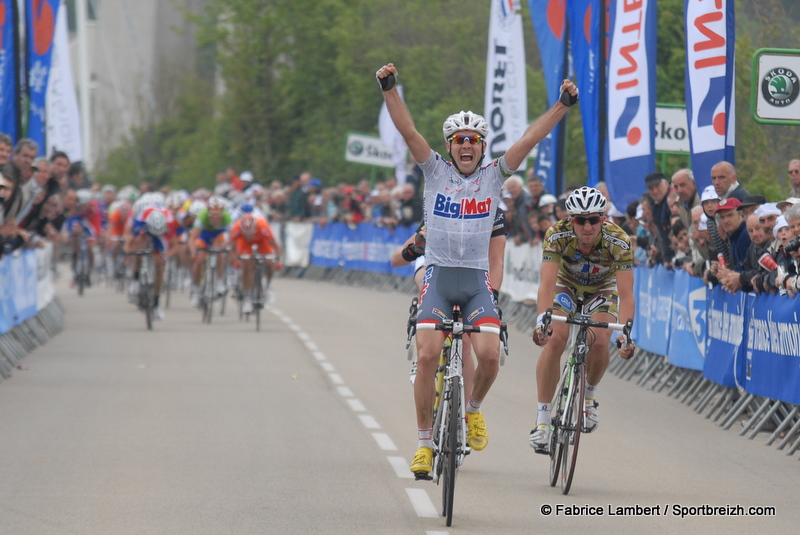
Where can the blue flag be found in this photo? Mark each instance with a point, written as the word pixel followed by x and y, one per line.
pixel 8 80
pixel 549 19
pixel 631 101
pixel 710 47
pixel 584 27
pixel 41 26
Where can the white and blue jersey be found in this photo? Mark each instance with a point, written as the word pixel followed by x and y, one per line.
pixel 460 212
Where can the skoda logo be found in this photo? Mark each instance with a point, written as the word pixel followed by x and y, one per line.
pixel 356 147
pixel 780 87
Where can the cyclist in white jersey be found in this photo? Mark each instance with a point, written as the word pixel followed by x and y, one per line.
pixel 460 202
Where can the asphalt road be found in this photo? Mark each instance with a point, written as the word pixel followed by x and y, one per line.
pixel 308 427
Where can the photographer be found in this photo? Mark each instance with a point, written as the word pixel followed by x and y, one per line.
pixel 790 281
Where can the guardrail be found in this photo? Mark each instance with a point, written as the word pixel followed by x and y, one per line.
pixel 29 312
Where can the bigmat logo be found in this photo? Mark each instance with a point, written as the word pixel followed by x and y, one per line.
pixel 465 209
pixel 709 93
pixel 630 127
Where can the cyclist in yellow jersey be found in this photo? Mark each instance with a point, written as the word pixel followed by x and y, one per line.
pixel 585 257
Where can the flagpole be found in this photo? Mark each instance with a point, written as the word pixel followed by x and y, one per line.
pixel 21 77
pixel 603 95
pixel 83 84
pixel 562 131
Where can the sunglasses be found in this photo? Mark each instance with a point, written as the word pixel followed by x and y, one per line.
pixel 460 139
pixel 793 171
pixel 581 221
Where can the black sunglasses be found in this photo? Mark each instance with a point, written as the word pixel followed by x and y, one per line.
pixel 581 221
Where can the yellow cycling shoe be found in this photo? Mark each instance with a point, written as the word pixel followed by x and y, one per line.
pixel 477 437
pixel 423 461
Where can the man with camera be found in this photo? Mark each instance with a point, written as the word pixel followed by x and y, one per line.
pixel 790 281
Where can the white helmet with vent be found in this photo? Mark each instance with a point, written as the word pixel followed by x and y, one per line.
pixel 156 223
pixel 465 120
pixel 586 200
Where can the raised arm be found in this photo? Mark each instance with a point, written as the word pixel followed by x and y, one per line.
pixel 419 147
pixel 542 126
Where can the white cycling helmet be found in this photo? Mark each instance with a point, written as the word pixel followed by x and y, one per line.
pixel 157 198
pixel 196 207
pixel 216 203
pixel 248 224
pixel 156 223
pixel 586 200
pixel 84 196
pixel 465 120
pixel 174 201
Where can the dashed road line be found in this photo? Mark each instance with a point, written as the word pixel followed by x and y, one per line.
pixel 419 498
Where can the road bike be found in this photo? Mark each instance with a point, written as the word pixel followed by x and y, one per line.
pixel 82 272
pixel 449 419
pixel 147 289
pixel 116 261
pixel 568 408
pixel 258 292
pixel 208 291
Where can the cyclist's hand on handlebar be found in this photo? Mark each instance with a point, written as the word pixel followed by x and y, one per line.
pixel 540 332
pixel 625 351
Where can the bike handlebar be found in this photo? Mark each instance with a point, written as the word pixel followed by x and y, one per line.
pixel 588 322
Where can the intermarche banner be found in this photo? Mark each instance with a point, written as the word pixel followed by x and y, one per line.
pixel 9 100
pixel 687 338
pixel 631 99
pixel 549 22
pixel 584 29
pixel 654 297
pixel 772 356
pixel 506 100
pixel 40 30
pixel 710 110
pixel 724 362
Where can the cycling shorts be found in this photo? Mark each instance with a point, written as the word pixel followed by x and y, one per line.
pixel 210 237
pixel 468 288
pixel 601 298
pixel 244 247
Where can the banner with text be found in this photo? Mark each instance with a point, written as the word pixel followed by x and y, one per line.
pixel 506 99
pixel 632 99
pixel 724 362
pixel 710 110
pixel 773 348
pixel 40 29
pixel 654 308
pixel 687 338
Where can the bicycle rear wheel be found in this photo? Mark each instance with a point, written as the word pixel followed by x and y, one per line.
pixel 575 413
pixel 450 451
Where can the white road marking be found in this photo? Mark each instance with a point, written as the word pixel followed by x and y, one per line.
pixel 400 467
pixel 336 378
pixel 384 442
pixel 356 405
pixel 422 503
pixel 319 355
pixel 327 366
pixel 369 422
pixel 345 391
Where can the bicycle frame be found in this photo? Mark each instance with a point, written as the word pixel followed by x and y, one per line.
pixel 568 404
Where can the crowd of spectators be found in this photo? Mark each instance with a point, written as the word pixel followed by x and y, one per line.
pixel 32 200
pixel 723 234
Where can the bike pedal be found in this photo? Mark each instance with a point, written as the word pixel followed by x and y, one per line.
pixel 423 476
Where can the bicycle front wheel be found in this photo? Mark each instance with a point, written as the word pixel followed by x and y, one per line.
pixel 450 451
pixel 556 414
pixel 575 412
